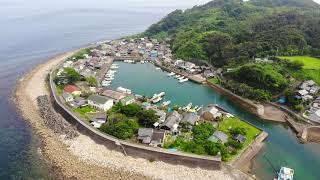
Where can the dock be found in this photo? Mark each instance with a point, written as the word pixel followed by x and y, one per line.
pixel 195 78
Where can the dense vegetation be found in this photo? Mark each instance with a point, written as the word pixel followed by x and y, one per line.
pixel 123 122
pixel 229 32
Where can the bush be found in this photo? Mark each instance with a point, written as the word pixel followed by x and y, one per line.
pixel 91 81
pixel 124 129
pixel 147 118
pixel 202 131
pixel 239 130
pixel 130 110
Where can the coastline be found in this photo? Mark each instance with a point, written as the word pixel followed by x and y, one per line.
pixel 81 158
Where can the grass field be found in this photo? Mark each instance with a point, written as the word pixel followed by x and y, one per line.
pixel 311 68
pixel 235 122
pixel 309 62
pixel 214 80
pixel 83 111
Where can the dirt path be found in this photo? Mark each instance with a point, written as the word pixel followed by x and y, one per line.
pixel 82 158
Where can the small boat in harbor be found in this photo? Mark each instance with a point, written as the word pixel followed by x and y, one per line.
pixel 156 100
pixel 183 80
pixel 188 107
pixel 166 103
pixel 124 90
pixel 285 173
pixel 157 68
pixel 198 109
pixel 171 74
pixel 177 76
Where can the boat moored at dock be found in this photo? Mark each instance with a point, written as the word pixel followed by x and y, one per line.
pixel 285 173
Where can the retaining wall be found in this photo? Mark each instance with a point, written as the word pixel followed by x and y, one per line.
pixel 247 105
pixel 131 149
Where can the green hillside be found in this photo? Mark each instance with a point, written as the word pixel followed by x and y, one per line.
pixel 233 32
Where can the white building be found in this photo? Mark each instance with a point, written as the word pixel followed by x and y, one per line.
pixel 100 102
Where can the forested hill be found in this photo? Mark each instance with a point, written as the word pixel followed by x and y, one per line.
pixel 228 32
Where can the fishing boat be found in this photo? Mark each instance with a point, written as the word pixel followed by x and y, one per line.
pixel 198 109
pixel 109 78
pixel 124 90
pixel 166 103
pixel 285 173
pixel 156 100
pixel 178 76
pixel 183 80
pixel 188 107
pixel 171 74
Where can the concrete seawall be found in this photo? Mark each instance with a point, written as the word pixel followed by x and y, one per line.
pixel 131 149
pixel 246 104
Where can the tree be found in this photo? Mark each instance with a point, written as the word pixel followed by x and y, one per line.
pixel 72 75
pixel 91 81
pixel 216 47
pixel 239 130
pixel 147 118
pixel 130 110
pixel 211 148
pixel 202 131
pixel 124 129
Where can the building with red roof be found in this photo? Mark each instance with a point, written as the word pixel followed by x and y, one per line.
pixel 72 89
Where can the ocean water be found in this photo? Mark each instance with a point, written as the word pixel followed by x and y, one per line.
pixel 32 32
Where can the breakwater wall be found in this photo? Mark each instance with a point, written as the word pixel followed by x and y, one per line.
pixel 246 104
pixel 127 148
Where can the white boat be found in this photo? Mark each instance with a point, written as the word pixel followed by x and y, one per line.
pixel 177 76
pixel 156 100
pixel 171 74
pixel 109 79
pixel 124 90
pixel 198 109
pixel 157 68
pixel 188 107
pixel 166 103
pixel 285 173
pixel 183 80
pixel 161 94
pixel 104 81
pixel 105 84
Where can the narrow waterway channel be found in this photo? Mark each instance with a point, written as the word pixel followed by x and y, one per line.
pixel 282 147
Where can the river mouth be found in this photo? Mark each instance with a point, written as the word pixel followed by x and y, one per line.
pixel 282 147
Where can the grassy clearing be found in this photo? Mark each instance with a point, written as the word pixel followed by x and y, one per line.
pixel 309 62
pixel 84 111
pixel 235 122
pixel 214 80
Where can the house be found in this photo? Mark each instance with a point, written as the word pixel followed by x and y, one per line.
pixel 191 118
pixel 128 100
pixel 72 89
pixel 161 114
pixel 67 97
pixel 145 135
pixel 115 95
pixel 209 113
pixel 172 122
pixel 158 138
pixel 79 101
pixel 303 92
pixel 219 136
pixel 100 102
pixel 240 138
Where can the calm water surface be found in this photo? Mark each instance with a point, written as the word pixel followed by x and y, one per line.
pixel 282 147
pixel 33 31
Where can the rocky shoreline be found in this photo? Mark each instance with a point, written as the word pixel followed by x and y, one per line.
pixel 78 156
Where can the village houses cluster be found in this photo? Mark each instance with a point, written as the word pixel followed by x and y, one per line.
pixel 94 62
